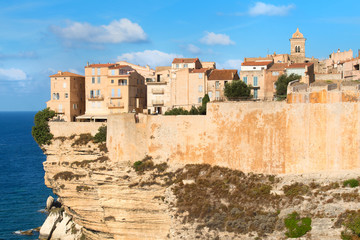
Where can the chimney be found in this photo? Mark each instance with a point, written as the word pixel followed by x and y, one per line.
pixel 60 72
pixel 87 64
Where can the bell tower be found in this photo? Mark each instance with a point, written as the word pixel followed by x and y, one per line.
pixel 297 43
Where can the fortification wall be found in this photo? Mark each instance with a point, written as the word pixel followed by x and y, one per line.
pixel 263 137
pixel 66 129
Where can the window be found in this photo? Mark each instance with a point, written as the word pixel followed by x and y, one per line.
pixel 177 65
pixel 122 82
pixel 254 67
pixel 112 80
pixel 98 71
pixel 217 84
pixel 66 95
pixel 200 75
pixel 200 88
pixel 199 99
pixel 57 96
pixel 93 71
pixel 113 92
pixel 137 81
pixel 60 108
pixel 185 65
pixel 64 85
pixel 119 92
pixel 210 95
pixel 75 106
pixel 245 80
pixel 112 72
pixel 275 73
pixel 217 95
pixel 98 80
pixel 92 80
pixel 91 93
pixel 255 93
pixel 255 81
pixel 54 96
pixel 97 92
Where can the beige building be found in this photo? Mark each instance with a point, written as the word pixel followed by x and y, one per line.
pixel 67 95
pixel 305 70
pixel 217 80
pixel 146 71
pixel 112 88
pixel 253 73
pixel 181 85
pixel 351 69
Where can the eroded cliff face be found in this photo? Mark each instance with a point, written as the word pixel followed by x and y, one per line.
pixel 151 199
pixel 95 192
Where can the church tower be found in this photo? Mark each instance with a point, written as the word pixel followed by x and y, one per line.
pixel 297 43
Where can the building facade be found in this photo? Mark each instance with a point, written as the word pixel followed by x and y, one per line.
pixel 67 95
pixel 112 88
pixel 217 80
pixel 305 70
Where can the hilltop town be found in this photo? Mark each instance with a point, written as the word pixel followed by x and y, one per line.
pixel 122 87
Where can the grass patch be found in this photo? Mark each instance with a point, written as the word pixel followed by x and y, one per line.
pixel 146 164
pixel 351 183
pixel 83 139
pixel 351 221
pixel 86 163
pixel 296 189
pixel 67 176
pixel 296 226
pixel 82 188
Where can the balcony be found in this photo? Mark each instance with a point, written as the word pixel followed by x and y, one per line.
pixel 157 91
pixel 157 102
pixel 95 98
pixel 116 97
pixel 118 105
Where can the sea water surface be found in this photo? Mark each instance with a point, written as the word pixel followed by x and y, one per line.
pixel 22 189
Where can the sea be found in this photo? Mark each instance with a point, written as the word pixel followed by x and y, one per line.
pixel 23 193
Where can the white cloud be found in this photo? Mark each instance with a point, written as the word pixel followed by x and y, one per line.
pixel 216 39
pixel 118 31
pixel 231 64
pixel 153 58
pixel 261 8
pixel 193 49
pixel 12 74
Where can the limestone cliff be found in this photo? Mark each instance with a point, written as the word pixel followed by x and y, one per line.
pixel 149 199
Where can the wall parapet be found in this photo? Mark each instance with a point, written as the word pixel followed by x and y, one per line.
pixel 263 137
pixel 66 129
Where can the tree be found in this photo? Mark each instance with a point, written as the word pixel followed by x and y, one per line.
pixel 283 82
pixel 237 89
pixel 202 108
pixel 41 131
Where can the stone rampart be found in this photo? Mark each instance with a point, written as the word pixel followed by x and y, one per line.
pixel 66 129
pixel 263 137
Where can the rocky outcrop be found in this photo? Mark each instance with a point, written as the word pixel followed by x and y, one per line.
pixel 147 199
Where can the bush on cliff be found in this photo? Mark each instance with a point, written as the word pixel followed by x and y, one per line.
pixel 282 83
pixel 100 136
pixel 351 183
pixel 41 131
pixel 237 89
pixel 296 226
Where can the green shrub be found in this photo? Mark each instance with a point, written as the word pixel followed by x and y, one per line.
pixel 201 110
pixel 282 83
pixel 144 165
pixel 351 183
pixel 177 111
pixel 41 131
pixel 296 226
pixel 100 136
pixel 352 226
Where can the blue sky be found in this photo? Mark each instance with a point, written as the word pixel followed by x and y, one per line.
pixel 38 38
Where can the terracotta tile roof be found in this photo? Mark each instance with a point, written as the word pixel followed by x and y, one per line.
pixel 300 65
pixel 185 60
pixel 223 74
pixel 119 66
pixel 200 70
pixel 278 66
pixel 65 74
pixel 263 63
pixel 101 65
